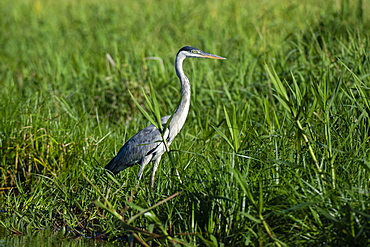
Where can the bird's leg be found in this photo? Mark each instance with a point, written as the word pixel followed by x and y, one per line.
pixel 155 167
pixel 143 163
pixel 140 171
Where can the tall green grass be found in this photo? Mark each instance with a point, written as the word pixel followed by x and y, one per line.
pixel 275 150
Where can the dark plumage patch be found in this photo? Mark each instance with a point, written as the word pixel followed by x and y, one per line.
pixel 187 48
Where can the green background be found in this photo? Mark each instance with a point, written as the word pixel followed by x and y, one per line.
pixel 275 150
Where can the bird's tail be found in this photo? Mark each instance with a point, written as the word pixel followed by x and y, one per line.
pixel 114 166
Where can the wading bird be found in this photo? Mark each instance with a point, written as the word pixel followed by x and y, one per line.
pixel 149 144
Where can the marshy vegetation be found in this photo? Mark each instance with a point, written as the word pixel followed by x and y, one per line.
pixel 275 150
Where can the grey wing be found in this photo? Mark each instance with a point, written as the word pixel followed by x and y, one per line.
pixel 145 143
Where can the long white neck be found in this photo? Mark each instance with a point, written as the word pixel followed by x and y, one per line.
pixel 179 117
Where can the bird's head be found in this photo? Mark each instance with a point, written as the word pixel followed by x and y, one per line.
pixel 188 51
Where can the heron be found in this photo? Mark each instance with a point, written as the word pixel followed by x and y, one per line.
pixel 149 144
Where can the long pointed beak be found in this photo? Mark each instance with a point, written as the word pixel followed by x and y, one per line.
pixel 208 55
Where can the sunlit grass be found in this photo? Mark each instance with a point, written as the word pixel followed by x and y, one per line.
pixel 275 149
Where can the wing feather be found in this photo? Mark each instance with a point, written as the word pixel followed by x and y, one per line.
pixel 147 142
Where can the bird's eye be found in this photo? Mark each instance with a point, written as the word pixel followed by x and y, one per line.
pixel 194 51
